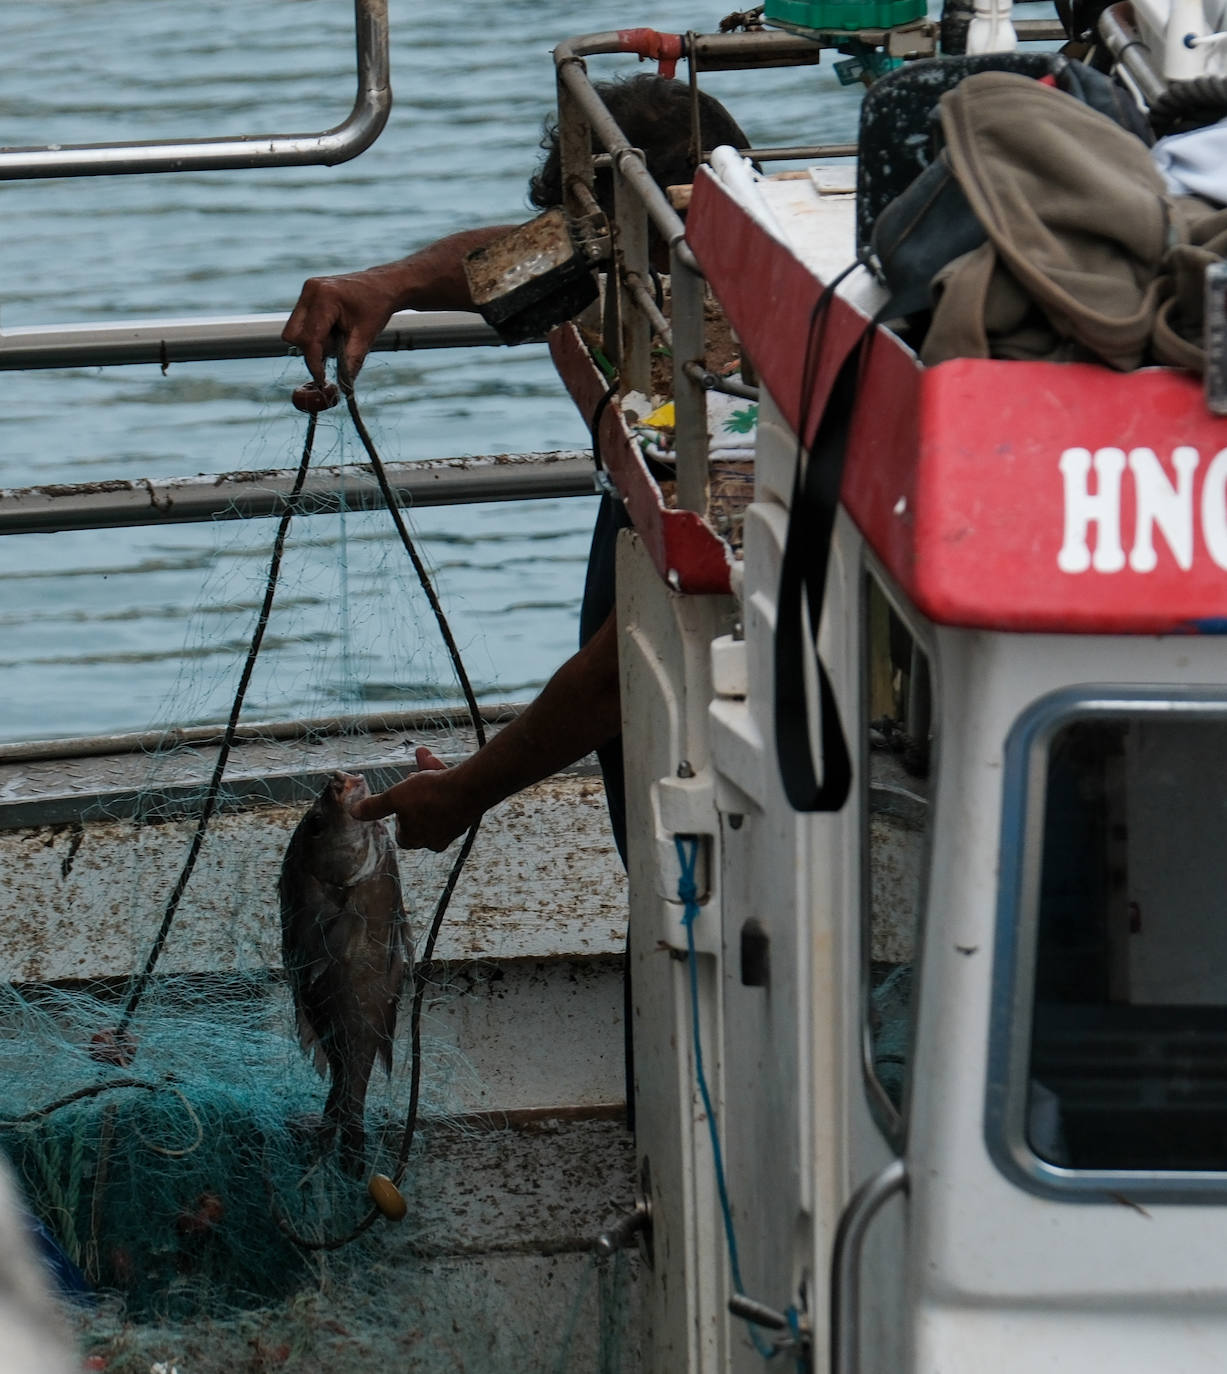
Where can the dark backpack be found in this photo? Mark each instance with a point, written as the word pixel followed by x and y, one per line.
pixel 911 215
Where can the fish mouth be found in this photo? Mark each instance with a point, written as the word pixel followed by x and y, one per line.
pixel 349 788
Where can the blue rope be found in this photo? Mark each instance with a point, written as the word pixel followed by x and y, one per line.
pixel 688 894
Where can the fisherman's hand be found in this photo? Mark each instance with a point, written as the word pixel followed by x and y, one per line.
pixel 429 807
pixel 342 315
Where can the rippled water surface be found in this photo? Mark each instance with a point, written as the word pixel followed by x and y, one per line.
pixel 119 630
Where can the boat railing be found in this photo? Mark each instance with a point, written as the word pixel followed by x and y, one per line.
pixel 353 135
pixel 631 314
pixel 247 495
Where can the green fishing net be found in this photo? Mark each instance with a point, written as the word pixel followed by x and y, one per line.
pixel 172 1157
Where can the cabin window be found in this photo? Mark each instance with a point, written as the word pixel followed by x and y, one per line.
pixel 898 716
pixel 1121 1065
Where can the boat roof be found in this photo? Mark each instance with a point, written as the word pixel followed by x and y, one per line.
pixel 1001 495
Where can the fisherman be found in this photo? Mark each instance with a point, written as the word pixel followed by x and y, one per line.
pixel 578 711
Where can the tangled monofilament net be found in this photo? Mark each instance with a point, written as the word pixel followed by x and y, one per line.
pixel 174 1157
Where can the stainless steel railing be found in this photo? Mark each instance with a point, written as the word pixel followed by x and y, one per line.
pixel 209 338
pixel 355 133
pixel 249 495
pixel 638 201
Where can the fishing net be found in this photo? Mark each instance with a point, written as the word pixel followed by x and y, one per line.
pixel 158 1112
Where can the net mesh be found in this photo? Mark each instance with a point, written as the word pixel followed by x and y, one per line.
pixel 174 1157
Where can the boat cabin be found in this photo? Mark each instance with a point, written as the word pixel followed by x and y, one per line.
pixel 924 688
pixel 927 974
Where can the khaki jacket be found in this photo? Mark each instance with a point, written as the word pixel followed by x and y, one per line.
pixel 1087 256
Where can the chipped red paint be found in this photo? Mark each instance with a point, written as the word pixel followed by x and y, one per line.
pixel 684 549
pixel 663 48
pixel 976 481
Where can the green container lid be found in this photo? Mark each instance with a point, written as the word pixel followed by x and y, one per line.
pixel 828 15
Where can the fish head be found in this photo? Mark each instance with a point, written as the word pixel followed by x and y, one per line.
pixel 344 789
pixel 340 849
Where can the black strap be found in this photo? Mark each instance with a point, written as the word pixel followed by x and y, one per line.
pixel 598 412
pixel 815 495
pixel 807 547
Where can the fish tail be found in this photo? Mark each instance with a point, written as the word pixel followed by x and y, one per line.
pixel 351 1151
pixel 345 1111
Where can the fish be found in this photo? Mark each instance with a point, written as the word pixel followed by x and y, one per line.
pixel 347 951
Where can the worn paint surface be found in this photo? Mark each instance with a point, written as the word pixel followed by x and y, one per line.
pixel 680 542
pixel 85 901
pixel 531 1033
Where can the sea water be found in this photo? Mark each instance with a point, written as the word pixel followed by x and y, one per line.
pixel 122 629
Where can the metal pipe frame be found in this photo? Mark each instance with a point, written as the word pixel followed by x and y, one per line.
pixel 631 255
pixel 863 1206
pixel 646 302
pixel 689 397
pixel 800 153
pixel 209 338
pixel 250 495
pixel 629 310
pixel 357 131
pixel 1129 52
pixel 579 91
pixel 716 52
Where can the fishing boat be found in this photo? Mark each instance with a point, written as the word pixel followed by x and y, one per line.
pixel 925 1008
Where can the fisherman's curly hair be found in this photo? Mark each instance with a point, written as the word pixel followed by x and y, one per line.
pixel 654 114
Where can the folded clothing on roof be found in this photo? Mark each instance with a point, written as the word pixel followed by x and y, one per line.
pixel 1194 163
pixel 1087 256
pixel 1076 224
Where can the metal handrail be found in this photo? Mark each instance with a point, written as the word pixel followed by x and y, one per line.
pixel 208 338
pixel 1121 38
pixel 346 140
pixel 629 161
pixel 582 115
pixel 126 503
pixel 863 1206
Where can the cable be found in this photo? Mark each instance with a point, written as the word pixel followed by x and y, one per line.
pixel 213 790
pixel 423 966
pixel 687 891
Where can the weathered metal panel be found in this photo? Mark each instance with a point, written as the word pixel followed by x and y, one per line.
pixel 85 901
pixel 531 1034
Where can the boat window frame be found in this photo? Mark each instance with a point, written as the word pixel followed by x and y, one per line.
pixel 891 1121
pixel 1016 938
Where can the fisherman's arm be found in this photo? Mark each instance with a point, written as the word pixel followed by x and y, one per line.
pixel 577 711
pixel 346 313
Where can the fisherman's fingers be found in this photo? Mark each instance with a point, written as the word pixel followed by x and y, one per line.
pixel 411 803
pixel 342 315
pixel 413 836
pixel 311 324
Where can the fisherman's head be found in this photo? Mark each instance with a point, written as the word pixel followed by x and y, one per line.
pixel 654 114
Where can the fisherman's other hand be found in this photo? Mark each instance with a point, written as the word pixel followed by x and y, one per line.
pixel 429 810
pixel 342 315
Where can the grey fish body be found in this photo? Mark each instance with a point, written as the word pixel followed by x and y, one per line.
pixel 346 949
